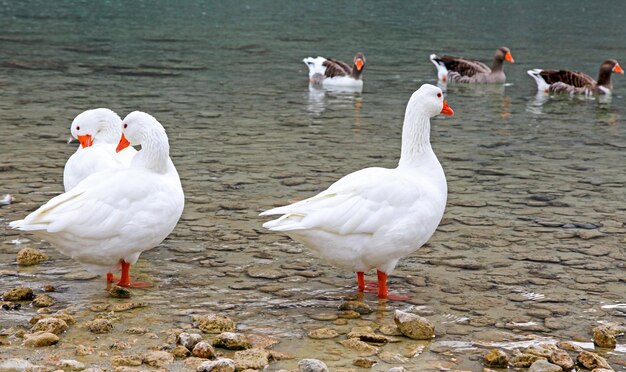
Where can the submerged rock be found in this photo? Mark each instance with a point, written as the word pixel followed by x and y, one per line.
pixel 214 323
pixel 367 334
pixel 604 336
pixel 100 326
pixel 40 339
pixel 52 325
pixel 360 346
pixel 219 365
pixel 15 364
pixel 43 300
pixel 358 306
pixel 70 365
pixel 251 359
pixel 562 359
pixel 231 341
pixel 364 362
pixel 524 360
pixel 120 292
pixel 312 365
pixel 414 326
pixel 30 257
pixel 158 359
pixel 180 352
pixel 322 333
pixel 496 358
pixel 18 294
pixel 127 360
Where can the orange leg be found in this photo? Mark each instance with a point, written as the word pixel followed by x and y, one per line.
pixel 110 278
pixel 382 284
pixel 360 277
pixel 125 279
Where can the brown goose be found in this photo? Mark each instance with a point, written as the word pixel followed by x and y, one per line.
pixel 470 71
pixel 332 72
pixel 573 82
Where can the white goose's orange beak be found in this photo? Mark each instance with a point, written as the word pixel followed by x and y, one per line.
pixel 447 110
pixel 618 69
pixel 123 144
pixel 509 57
pixel 85 141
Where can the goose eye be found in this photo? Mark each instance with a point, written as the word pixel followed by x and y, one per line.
pixel 125 126
pixel 439 95
pixel 77 128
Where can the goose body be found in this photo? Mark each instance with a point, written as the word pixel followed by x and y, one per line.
pixel 463 70
pixel 98 132
pixel 574 82
pixel 112 216
pixel 329 72
pixel 375 216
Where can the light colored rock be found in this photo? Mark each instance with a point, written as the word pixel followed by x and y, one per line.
pixel 414 326
pixel 323 333
pixel 158 359
pixel 193 363
pixel 543 365
pixel 231 341
pixel 218 365
pixel 127 360
pixel 592 360
pixel 40 339
pixel 43 300
pixel 70 365
pixel 100 326
pixel 30 256
pixel 251 359
pixel 562 359
pixel 180 352
pixel 360 346
pixel 18 294
pixel 312 365
pixel 52 325
pixel 188 340
pixel 203 350
pixel 603 336
pixel 214 323
pixel 396 369
pixel 392 358
pixel 16 365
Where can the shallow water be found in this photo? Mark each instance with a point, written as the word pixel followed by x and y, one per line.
pixel 531 245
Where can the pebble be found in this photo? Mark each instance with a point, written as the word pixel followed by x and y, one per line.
pixel 367 334
pixel 40 339
pixel 323 333
pixel 137 331
pixel 603 336
pixel 562 359
pixel 127 360
pixel 214 323
pixel 496 358
pixel 414 326
pixel 360 346
pixel 264 272
pixel 100 326
pixel 592 360
pixel 203 350
pixel 312 365
pixel 52 325
pixel 251 359
pixel 543 365
pixel 158 359
pixel 392 358
pixel 70 365
pixel 30 257
pixel 188 340
pixel 18 294
pixel 43 300
pixel 219 365
pixel 231 341
pixel 360 307
pixel 524 360
pixel 119 292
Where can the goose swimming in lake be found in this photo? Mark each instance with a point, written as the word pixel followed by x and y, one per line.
pixel 464 70
pixel 98 131
pixel 373 217
pixel 573 82
pixel 331 72
pixel 111 217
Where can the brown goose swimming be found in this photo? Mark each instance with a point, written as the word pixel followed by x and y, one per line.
pixel 332 72
pixel 574 82
pixel 470 71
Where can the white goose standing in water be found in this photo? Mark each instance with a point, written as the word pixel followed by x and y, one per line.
pixel 98 131
pixel 373 217
pixel 111 217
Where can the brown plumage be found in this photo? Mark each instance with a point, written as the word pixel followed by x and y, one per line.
pixel 339 68
pixel 575 82
pixel 465 70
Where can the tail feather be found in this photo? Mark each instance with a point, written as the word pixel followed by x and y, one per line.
pixel 442 71
pixel 287 222
pixel 542 86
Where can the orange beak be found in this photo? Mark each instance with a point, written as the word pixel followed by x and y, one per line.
pixel 618 69
pixel 85 141
pixel 359 64
pixel 446 110
pixel 123 144
pixel 509 57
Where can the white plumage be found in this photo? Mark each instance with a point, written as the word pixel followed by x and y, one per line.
pixel 373 217
pixel 112 216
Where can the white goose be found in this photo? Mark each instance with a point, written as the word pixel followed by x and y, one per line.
pixel 109 218
pixel 98 131
pixel 373 217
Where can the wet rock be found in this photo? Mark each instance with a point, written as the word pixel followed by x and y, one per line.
pixel 100 326
pixel 399 369
pixel 265 272
pixel 324 316
pixel 70 365
pixel 40 339
pixel 126 306
pixel 604 336
pixel 120 292
pixel 214 323
pixel 137 331
pixel 367 334
pixel 120 345
pixel 48 288
pixel 262 341
pixel 52 325
pixel 251 359
pixel 15 364
pixel 566 345
pixel 592 360
pixel 11 306
pixel 82 350
pixel 414 326
pixel 180 352
pixel 158 359
pixel 312 365
pixel 364 362
pixel 349 314
pixel 231 341
pixel 127 360
pixel 524 360
pixel 203 350
pixel 30 257
pixel 539 351
pixel 219 365
pixel 188 340
pixel 392 358
pixel 43 300
pixel 323 333
pixel 562 359
pixel 360 307
pixel 543 365
pixel 193 363
pixel 496 358
pixel 18 294
pixel 390 329
pixel 360 346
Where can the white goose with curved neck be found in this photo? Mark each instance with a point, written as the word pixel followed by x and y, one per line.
pixel 415 136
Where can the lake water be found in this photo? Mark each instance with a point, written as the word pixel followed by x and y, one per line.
pixel 532 242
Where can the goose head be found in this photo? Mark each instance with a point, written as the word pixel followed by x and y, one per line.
pixel 429 100
pixel 99 125
pixel 612 66
pixel 139 127
pixel 504 54
pixel 359 61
